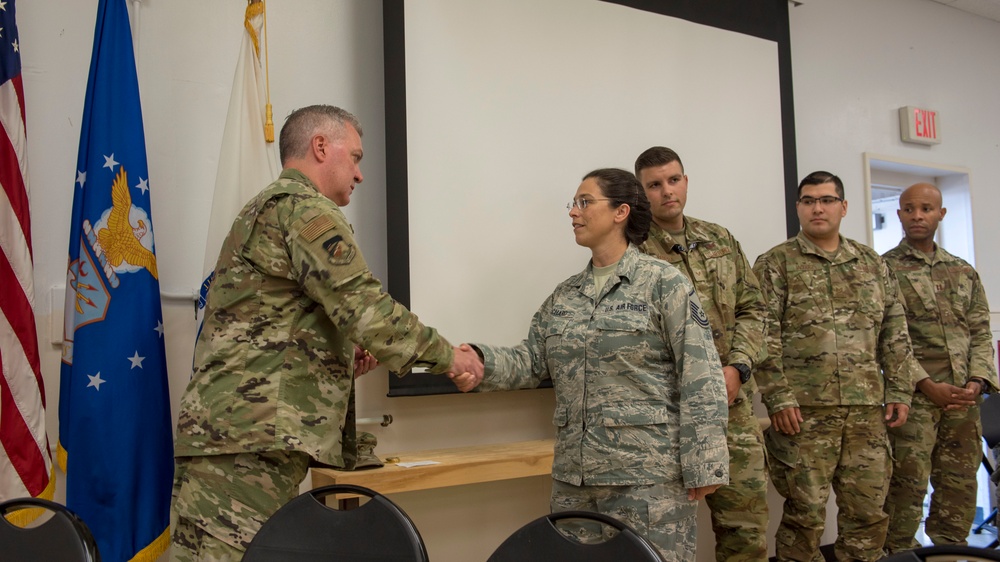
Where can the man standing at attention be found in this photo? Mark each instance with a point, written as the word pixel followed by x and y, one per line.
pixel 837 333
pixel 949 323
pixel 709 256
pixel 273 386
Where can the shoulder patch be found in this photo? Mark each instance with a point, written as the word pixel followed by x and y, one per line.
pixel 316 227
pixel 341 251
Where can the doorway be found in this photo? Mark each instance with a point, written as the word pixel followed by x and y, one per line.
pixel 886 177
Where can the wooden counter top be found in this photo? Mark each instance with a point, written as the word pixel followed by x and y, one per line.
pixel 457 466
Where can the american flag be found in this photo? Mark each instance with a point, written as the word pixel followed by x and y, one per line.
pixel 25 463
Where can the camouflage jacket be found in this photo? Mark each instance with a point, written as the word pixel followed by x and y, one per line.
pixel 273 365
pixel 640 397
pixel 726 286
pixel 836 328
pixel 947 314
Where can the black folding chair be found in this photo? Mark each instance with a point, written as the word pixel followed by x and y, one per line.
pixel 305 529
pixel 63 536
pixel 989 416
pixel 945 553
pixel 541 541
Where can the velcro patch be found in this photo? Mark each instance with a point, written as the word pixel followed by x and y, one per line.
pixel 316 227
pixel 713 250
pixel 341 251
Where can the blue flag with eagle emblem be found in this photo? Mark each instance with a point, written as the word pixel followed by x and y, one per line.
pixel 115 441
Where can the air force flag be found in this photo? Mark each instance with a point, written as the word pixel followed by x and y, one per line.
pixel 114 410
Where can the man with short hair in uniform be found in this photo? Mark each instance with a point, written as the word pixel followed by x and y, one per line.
pixel 837 334
pixel 273 385
pixel 711 258
pixel 949 323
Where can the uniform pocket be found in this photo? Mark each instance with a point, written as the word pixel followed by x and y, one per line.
pixel 560 417
pixel 638 438
pixel 782 456
pixel 781 447
pixel 619 329
pixel 557 357
pixel 923 287
pixel 634 414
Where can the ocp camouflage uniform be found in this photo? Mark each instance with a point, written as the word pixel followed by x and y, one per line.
pixel 837 334
pixel 640 400
pixel 949 323
pixel 273 368
pixel 730 294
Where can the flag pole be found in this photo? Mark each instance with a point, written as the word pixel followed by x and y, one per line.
pixel 269 120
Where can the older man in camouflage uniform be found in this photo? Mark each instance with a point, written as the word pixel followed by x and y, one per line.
pixel 837 334
pixel 272 389
pixel 709 256
pixel 949 323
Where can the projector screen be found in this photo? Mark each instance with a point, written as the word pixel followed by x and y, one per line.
pixel 496 109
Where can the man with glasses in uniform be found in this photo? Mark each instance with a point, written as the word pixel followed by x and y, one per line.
pixel 837 335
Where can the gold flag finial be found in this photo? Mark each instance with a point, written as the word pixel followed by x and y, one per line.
pixel 256 8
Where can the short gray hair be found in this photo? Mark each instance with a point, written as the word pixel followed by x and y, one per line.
pixel 304 123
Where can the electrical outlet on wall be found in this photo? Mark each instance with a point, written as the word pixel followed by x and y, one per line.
pixel 57 305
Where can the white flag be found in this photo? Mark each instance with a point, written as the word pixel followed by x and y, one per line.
pixel 247 163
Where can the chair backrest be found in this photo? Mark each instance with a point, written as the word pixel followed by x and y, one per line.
pixel 63 537
pixel 989 415
pixel 541 541
pixel 306 529
pixel 945 553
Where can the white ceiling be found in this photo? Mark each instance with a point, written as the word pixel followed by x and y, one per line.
pixel 986 8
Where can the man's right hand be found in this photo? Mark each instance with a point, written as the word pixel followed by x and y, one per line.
pixel 787 421
pixel 733 383
pixel 947 396
pixel 466 369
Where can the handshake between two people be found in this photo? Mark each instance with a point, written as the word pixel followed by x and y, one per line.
pixel 466 369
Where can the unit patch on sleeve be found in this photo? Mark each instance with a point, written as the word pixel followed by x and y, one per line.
pixel 341 251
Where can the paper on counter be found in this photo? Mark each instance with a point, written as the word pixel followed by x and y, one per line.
pixel 416 463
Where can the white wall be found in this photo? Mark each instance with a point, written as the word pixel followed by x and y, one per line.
pixel 957 233
pixel 855 62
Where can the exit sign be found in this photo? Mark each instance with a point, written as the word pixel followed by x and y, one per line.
pixel 919 125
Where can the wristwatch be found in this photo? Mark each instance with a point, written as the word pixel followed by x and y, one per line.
pixel 982 384
pixel 744 372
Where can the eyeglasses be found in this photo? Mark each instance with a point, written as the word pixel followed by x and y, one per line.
pixel 582 203
pixel 826 201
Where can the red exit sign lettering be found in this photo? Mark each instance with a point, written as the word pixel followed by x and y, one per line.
pixel 919 125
